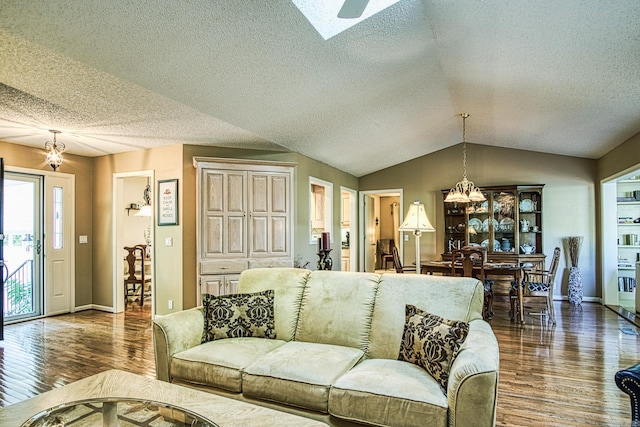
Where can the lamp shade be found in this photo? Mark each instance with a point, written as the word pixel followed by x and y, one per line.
pixel 416 219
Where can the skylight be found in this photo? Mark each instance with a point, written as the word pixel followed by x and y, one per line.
pixel 323 15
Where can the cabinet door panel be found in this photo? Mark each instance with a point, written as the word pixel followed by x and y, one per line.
pixel 279 194
pixel 260 235
pixel 259 194
pixel 279 237
pixel 213 235
pixel 212 285
pixel 235 235
pixel 214 188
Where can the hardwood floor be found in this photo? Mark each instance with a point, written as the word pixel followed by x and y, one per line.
pixel 563 376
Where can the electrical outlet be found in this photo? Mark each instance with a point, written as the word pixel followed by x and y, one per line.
pixel 170 304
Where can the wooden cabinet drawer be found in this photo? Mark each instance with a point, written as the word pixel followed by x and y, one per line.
pixel 271 263
pixel 223 266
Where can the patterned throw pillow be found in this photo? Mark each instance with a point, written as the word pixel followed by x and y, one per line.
pixel 238 315
pixel 431 342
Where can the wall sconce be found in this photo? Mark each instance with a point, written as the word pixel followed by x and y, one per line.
pixel 54 156
pixel 145 207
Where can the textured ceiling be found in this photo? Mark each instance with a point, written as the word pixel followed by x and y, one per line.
pixel 556 77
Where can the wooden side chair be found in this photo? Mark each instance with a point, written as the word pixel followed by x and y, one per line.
pixel 387 258
pixel 472 260
pixel 398 264
pixel 540 284
pixel 135 280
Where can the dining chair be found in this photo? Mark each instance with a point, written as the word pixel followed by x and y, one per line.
pixel 135 280
pixel 388 257
pixel 398 264
pixel 539 284
pixel 472 260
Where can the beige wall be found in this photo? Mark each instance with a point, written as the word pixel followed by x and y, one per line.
pixel 569 195
pixel 166 162
pixel 33 158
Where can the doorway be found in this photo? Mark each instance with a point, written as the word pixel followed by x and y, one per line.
pixel 38 250
pixel 134 217
pixel 381 215
pixel 621 241
pixel 349 229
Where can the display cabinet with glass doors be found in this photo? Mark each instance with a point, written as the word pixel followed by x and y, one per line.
pixel 508 224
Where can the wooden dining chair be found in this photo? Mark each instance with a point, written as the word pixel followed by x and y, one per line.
pixel 398 264
pixel 540 284
pixel 472 259
pixel 135 280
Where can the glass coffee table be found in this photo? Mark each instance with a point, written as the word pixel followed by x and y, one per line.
pixel 117 412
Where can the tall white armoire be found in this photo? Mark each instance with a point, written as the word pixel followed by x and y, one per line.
pixel 245 220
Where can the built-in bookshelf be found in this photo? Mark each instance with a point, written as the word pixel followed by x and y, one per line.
pixel 628 212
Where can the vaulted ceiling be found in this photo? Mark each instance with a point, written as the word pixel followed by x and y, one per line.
pixel 552 76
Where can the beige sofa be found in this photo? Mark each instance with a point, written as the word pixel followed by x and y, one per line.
pixel 335 357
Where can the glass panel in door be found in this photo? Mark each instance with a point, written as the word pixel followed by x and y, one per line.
pixel 504 227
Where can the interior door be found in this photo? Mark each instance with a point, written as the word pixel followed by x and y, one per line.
pixel 369 234
pixel 59 232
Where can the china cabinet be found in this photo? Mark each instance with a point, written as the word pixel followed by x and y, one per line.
pixel 628 212
pixel 508 224
pixel 244 219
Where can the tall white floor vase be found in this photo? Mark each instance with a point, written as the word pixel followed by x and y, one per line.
pixel 575 279
pixel 575 286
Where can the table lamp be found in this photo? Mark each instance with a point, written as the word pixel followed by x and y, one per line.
pixel 416 221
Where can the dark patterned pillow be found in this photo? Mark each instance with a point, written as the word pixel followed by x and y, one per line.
pixel 431 342
pixel 238 315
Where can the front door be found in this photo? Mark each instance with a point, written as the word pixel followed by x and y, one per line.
pixel 22 246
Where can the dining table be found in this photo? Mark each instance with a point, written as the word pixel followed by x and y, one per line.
pixel 490 269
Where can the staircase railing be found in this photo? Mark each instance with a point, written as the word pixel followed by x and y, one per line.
pixel 18 290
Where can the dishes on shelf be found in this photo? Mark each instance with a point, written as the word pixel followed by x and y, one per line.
pixel 526 205
pixel 485 224
pixel 496 245
pixel 506 224
pixel 476 224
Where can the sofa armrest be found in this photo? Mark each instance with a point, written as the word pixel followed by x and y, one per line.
pixel 472 391
pixel 174 333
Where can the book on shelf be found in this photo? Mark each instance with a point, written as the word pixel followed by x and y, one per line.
pixel 626 284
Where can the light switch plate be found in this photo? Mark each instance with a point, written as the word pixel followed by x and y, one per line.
pixel 168 241
pixel 83 239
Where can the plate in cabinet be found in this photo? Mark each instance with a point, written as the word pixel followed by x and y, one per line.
pixel 526 205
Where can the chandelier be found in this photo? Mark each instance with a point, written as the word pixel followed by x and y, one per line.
pixel 54 155
pixel 465 191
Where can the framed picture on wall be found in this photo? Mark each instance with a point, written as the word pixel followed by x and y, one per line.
pixel 168 202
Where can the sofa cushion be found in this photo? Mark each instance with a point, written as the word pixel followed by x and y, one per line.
pixel 288 285
pixel 299 374
pixel 388 392
pixel 432 342
pixel 238 315
pixel 455 298
pixel 220 363
pixel 336 308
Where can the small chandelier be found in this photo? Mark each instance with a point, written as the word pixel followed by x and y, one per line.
pixel 54 156
pixel 465 191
